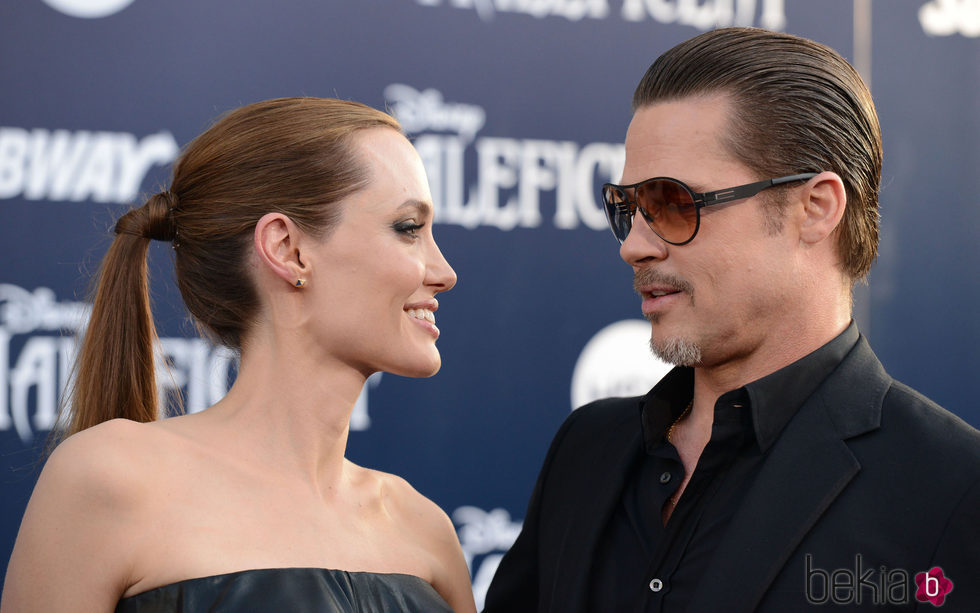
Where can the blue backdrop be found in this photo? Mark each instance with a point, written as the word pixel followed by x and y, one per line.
pixel 519 108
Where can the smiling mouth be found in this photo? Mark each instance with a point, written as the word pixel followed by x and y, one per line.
pixel 423 314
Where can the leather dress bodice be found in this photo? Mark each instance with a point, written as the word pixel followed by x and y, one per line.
pixel 296 590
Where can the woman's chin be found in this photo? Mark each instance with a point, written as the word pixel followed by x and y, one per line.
pixel 418 370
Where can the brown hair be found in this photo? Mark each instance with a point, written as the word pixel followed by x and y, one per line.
pixel 290 155
pixel 798 106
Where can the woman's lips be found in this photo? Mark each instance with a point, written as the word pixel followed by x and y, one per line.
pixel 425 316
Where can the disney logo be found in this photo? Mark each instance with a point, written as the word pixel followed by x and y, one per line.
pixel 485 531
pixel 22 311
pixel 419 111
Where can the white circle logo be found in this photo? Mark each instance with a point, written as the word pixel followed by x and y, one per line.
pixel 617 362
pixel 88 9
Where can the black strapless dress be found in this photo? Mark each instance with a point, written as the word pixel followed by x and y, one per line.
pixel 293 590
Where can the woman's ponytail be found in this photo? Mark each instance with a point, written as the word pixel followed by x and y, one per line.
pixel 115 374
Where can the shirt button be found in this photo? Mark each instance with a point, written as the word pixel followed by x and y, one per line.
pixel 656 585
pixel 665 477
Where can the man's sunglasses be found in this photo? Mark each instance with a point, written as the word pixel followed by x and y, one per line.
pixel 671 208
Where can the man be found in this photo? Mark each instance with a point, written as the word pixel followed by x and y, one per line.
pixel 778 466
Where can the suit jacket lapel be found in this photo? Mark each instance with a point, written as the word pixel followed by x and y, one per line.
pixel 603 477
pixel 807 468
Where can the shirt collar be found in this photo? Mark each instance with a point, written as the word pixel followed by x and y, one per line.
pixel 775 398
pixel 771 401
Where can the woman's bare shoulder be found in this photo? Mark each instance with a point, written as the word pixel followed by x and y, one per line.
pixel 102 453
pixel 437 535
pixel 115 457
pixel 84 520
pixel 404 502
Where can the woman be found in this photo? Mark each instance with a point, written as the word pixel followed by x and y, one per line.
pixel 303 238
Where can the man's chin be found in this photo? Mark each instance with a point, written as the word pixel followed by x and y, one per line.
pixel 676 351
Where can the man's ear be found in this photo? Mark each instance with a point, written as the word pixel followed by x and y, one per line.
pixel 824 200
pixel 277 244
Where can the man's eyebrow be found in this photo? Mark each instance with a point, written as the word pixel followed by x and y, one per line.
pixel 423 207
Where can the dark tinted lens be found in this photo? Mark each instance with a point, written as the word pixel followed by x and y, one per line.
pixel 618 211
pixel 669 208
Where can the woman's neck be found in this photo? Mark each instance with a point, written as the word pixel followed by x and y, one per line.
pixel 290 409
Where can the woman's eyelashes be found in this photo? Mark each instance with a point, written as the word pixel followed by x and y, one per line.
pixel 408 228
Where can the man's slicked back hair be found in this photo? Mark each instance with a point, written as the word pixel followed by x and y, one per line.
pixel 798 106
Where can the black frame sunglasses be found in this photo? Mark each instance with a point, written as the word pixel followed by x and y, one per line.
pixel 672 205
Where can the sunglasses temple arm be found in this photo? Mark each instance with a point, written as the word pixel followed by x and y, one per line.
pixel 734 193
pixel 747 191
pixel 801 177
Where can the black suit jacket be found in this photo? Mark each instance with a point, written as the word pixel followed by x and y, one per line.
pixel 866 467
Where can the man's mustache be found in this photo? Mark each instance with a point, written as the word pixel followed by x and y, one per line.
pixel 645 277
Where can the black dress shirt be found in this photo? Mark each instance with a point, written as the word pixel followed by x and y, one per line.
pixel 645 566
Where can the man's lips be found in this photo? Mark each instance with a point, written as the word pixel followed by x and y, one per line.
pixel 659 290
pixel 657 301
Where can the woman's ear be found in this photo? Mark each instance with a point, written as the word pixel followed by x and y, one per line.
pixel 824 200
pixel 277 244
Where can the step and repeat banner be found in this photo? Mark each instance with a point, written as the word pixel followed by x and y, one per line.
pixel 518 109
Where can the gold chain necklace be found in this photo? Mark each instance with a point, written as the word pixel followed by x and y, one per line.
pixel 680 418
